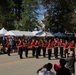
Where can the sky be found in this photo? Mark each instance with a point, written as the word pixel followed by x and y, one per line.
pixel 41 17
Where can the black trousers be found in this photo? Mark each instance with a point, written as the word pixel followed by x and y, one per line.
pixel 20 52
pixel 39 50
pixel 44 51
pixel 71 49
pixel 56 52
pixel 66 52
pixel 33 51
pixel 49 53
pixel 61 52
pixel 37 53
pixel 8 52
pixel 26 51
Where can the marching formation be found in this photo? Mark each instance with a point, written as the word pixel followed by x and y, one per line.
pixel 38 45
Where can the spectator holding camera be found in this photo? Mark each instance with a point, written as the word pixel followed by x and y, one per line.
pixel 45 70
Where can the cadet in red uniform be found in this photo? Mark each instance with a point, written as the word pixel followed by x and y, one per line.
pixel 20 49
pixel 36 47
pixel 9 48
pixel 25 47
pixel 72 46
pixel 61 48
pixel 40 43
pixel 44 48
pixel 56 49
pixel 33 47
pixel 49 48
pixel 66 48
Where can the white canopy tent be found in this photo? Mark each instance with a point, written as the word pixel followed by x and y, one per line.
pixel 42 34
pixel 49 34
pixel 35 32
pixel 26 33
pixel 13 33
pixel 2 32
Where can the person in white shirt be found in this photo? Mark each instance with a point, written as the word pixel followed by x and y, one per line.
pixel 45 70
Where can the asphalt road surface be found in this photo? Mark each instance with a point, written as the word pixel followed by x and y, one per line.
pixel 12 65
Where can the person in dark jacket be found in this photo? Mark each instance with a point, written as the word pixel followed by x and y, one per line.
pixel 63 70
pixel 70 62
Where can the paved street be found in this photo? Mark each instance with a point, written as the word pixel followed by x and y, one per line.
pixel 12 65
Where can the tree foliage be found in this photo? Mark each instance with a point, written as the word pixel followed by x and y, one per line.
pixel 59 14
pixel 22 14
pixel 29 14
pixel 18 14
pixel 6 14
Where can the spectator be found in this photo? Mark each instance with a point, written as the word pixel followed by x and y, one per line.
pixel 56 67
pixel 48 67
pixel 63 70
pixel 70 62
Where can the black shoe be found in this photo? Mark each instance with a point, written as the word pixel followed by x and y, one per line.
pixel 21 58
pixel 26 56
pixel 49 59
pixel 37 58
pixel 9 55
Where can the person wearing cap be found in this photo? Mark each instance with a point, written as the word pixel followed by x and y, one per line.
pixel 47 70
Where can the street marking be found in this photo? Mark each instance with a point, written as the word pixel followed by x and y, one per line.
pixel 18 61
pixel 14 62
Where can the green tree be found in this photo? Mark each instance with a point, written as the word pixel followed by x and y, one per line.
pixel 29 14
pixel 59 14
pixel 6 14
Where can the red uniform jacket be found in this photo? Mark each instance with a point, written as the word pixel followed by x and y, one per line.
pixel 36 44
pixel 55 44
pixel 65 46
pixel 20 44
pixel 49 46
pixel 25 45
pixel 8 46
pixel 60 44
pixel 32 44
pixel 43 44
pixel 72 45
